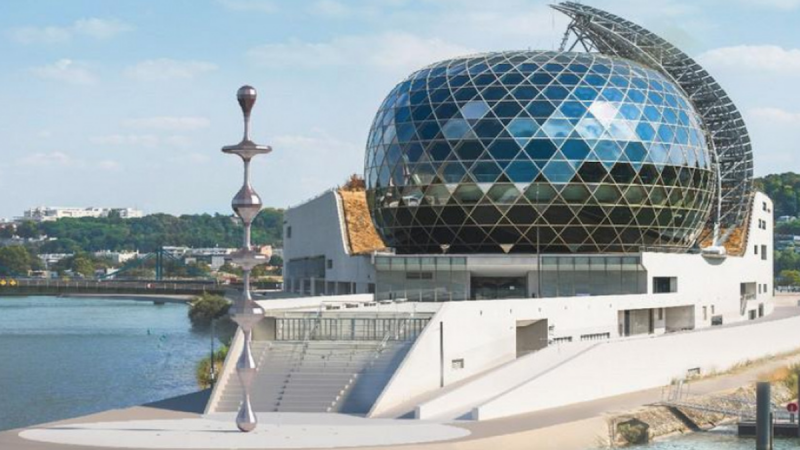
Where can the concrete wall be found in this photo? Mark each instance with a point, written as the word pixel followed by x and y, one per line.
pixel 630 365
pixel 318 230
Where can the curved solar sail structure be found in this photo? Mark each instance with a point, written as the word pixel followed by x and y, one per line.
pixel 597 30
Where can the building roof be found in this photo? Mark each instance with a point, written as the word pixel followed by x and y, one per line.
pixel 361 235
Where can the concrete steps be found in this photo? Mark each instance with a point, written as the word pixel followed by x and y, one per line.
pixel 320 376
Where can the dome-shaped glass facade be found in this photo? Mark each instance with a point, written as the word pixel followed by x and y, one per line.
pixel 530 152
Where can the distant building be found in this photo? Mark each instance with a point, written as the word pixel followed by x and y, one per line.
pixel 117 257
pixel 50 213
pixel 782 219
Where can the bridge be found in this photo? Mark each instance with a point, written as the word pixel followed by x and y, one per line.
pixel 10 286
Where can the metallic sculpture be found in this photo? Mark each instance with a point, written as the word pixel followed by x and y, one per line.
pixel 246 312
pixel 597 30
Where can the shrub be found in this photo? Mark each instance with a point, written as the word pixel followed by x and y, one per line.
pixel 203 370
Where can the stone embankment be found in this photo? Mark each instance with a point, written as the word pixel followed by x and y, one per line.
pixel 654 422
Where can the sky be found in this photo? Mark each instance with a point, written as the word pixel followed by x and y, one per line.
pixel 127 103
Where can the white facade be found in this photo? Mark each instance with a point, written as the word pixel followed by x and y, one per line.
pixel 49 213
pixel 316 257
pixel 485 359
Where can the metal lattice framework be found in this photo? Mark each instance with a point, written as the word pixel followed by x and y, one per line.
pixel 597 30
pixel 535 151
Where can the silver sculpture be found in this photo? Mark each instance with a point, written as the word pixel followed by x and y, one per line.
pixel 245 312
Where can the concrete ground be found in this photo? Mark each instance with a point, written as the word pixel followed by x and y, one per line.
pixel 178 423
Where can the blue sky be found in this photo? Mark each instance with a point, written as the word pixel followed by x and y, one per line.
pixel 127 103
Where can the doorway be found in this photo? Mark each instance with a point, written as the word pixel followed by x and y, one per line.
pixel 494 288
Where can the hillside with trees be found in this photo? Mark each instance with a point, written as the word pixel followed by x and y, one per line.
pixel 148 233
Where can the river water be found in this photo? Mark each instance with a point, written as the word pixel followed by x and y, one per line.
pixel 721 438
pixel 67 357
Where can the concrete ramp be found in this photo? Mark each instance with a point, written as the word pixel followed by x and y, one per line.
pixel 458 403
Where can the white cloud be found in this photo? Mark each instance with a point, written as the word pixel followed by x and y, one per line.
pixel 141 140
pixel 46 159
pixel 775 116
pixel 785 5
pixel 109 165
pixel 759 58
pixel 92 27
pixel 166 123
pixel 330 8
pixel 168 69
pixel 100 28
pixel 263 6
pixel 66 70
pixel 144 140
pixel 390 50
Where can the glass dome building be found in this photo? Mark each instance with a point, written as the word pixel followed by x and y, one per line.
pixel 538 152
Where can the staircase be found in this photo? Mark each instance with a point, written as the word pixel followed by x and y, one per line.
pixel 310 375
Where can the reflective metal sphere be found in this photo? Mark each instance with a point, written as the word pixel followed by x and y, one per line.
pixel 246 95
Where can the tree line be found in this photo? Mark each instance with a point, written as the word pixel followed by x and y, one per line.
pixel 84 236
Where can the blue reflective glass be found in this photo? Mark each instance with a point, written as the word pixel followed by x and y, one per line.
pixel 509 109
pixel 573 109
pixel 557 128
pixel 485 172
pixel 575 149
pixel 635 152
pixel 556 93
pixel 540 109
pixel 523 128
pixel 474 110
pixel 488 128
pixel 558 172
pixel 540 149
pixel 504 149
pixel 607 150
pixel 645 131
pixel 455 129
pixel 521 171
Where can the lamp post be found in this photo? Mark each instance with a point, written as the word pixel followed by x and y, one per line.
pixel 245 312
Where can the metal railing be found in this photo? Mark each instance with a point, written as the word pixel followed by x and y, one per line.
pixel 89 286
pixel 349 328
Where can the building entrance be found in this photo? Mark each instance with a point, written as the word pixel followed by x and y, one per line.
pixel 493 288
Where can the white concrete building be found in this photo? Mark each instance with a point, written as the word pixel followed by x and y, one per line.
pixel 48 213
pixel 318 252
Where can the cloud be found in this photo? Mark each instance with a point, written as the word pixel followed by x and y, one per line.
pixel 263 6
pixel 46 159
pixel 759 58
pixel 786 5
pixel 92 27
pixel 390 50
pixel 109 165
pixel 144 140
pixel 165 123
pixel 330 8
pixel 141 140
pixel 168 69
pixel 775 116
pixel 66 70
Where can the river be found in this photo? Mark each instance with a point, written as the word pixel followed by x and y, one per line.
pixel 67 357
pixel 721 438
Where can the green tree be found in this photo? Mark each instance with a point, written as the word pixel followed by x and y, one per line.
pixel 7 232
pixel 28 230
pixel 207 307
pixel 276 261
pixel 15 260
pixel 83 265
pixel 789 278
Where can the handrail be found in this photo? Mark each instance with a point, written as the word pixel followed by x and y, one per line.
pixel 376 354
pixel 303 352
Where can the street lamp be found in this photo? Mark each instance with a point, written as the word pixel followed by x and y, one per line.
pixel 245 312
